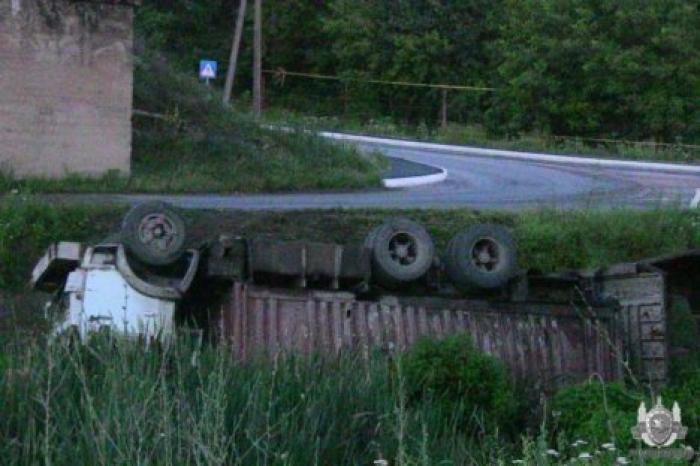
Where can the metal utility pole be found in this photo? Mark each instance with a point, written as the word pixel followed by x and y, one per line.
pixel 235 47
pixel 257 60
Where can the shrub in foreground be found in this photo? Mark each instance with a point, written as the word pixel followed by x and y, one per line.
pixel 596 413
pixel 453 376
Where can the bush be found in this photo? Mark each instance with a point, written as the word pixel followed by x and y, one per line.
pixel 452 375
pixel 685 391
pixel 596 413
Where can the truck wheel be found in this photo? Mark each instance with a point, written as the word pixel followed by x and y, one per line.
pixel 402 251
pixel 481 257
pixel 154 233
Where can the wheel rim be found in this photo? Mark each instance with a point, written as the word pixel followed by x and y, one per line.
pixel 403 249
pixel 158 232
pixel 485 255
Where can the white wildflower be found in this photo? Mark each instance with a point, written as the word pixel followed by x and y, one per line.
pixel 518 462
pixel 622 460
pixel 585 456
pixel 381 462
pixel 552 452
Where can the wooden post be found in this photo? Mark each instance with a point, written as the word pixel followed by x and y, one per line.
pixel 235 47
pixel 443 112
pixel 257 60
pixel 345 98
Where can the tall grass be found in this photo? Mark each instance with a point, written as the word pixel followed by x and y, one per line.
pixel 116 402
pixel 113 402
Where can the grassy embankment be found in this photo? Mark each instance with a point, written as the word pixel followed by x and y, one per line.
pixel 196 144
pixel 109 403
pixel 475 135
pixel 547 240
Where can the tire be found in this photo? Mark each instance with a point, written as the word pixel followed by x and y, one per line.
pixel 482 257
pixel 154 233
pixel 401 250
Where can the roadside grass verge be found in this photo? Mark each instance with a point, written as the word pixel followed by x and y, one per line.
pixel 547 240
pixel 27 228
pixel 476 135
pixel 185 141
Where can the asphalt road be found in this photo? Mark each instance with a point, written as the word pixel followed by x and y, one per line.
pixel 401 168
pixel 480 182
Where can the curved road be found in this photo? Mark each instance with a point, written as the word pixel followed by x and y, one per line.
pixel 474 181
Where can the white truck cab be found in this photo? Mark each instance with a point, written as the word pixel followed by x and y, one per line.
pixel 97 288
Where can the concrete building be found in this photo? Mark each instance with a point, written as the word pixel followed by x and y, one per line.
pixel 66 75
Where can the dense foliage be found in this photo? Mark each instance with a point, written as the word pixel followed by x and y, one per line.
pixel 620 69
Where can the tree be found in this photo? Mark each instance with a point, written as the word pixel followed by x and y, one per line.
pixel 417 41
pixel 616 68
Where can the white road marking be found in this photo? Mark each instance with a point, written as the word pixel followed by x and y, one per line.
pixel 411 181
pixel 696 199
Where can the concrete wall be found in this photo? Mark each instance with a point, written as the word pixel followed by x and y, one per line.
pixel 66 74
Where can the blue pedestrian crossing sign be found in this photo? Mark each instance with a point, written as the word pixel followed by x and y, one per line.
pixel 207 69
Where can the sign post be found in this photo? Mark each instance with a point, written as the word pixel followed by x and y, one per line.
pixel 207 70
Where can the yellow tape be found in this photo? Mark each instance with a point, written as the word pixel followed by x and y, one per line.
pixel 282 73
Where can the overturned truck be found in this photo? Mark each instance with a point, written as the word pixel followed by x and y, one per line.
pixel 265 298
